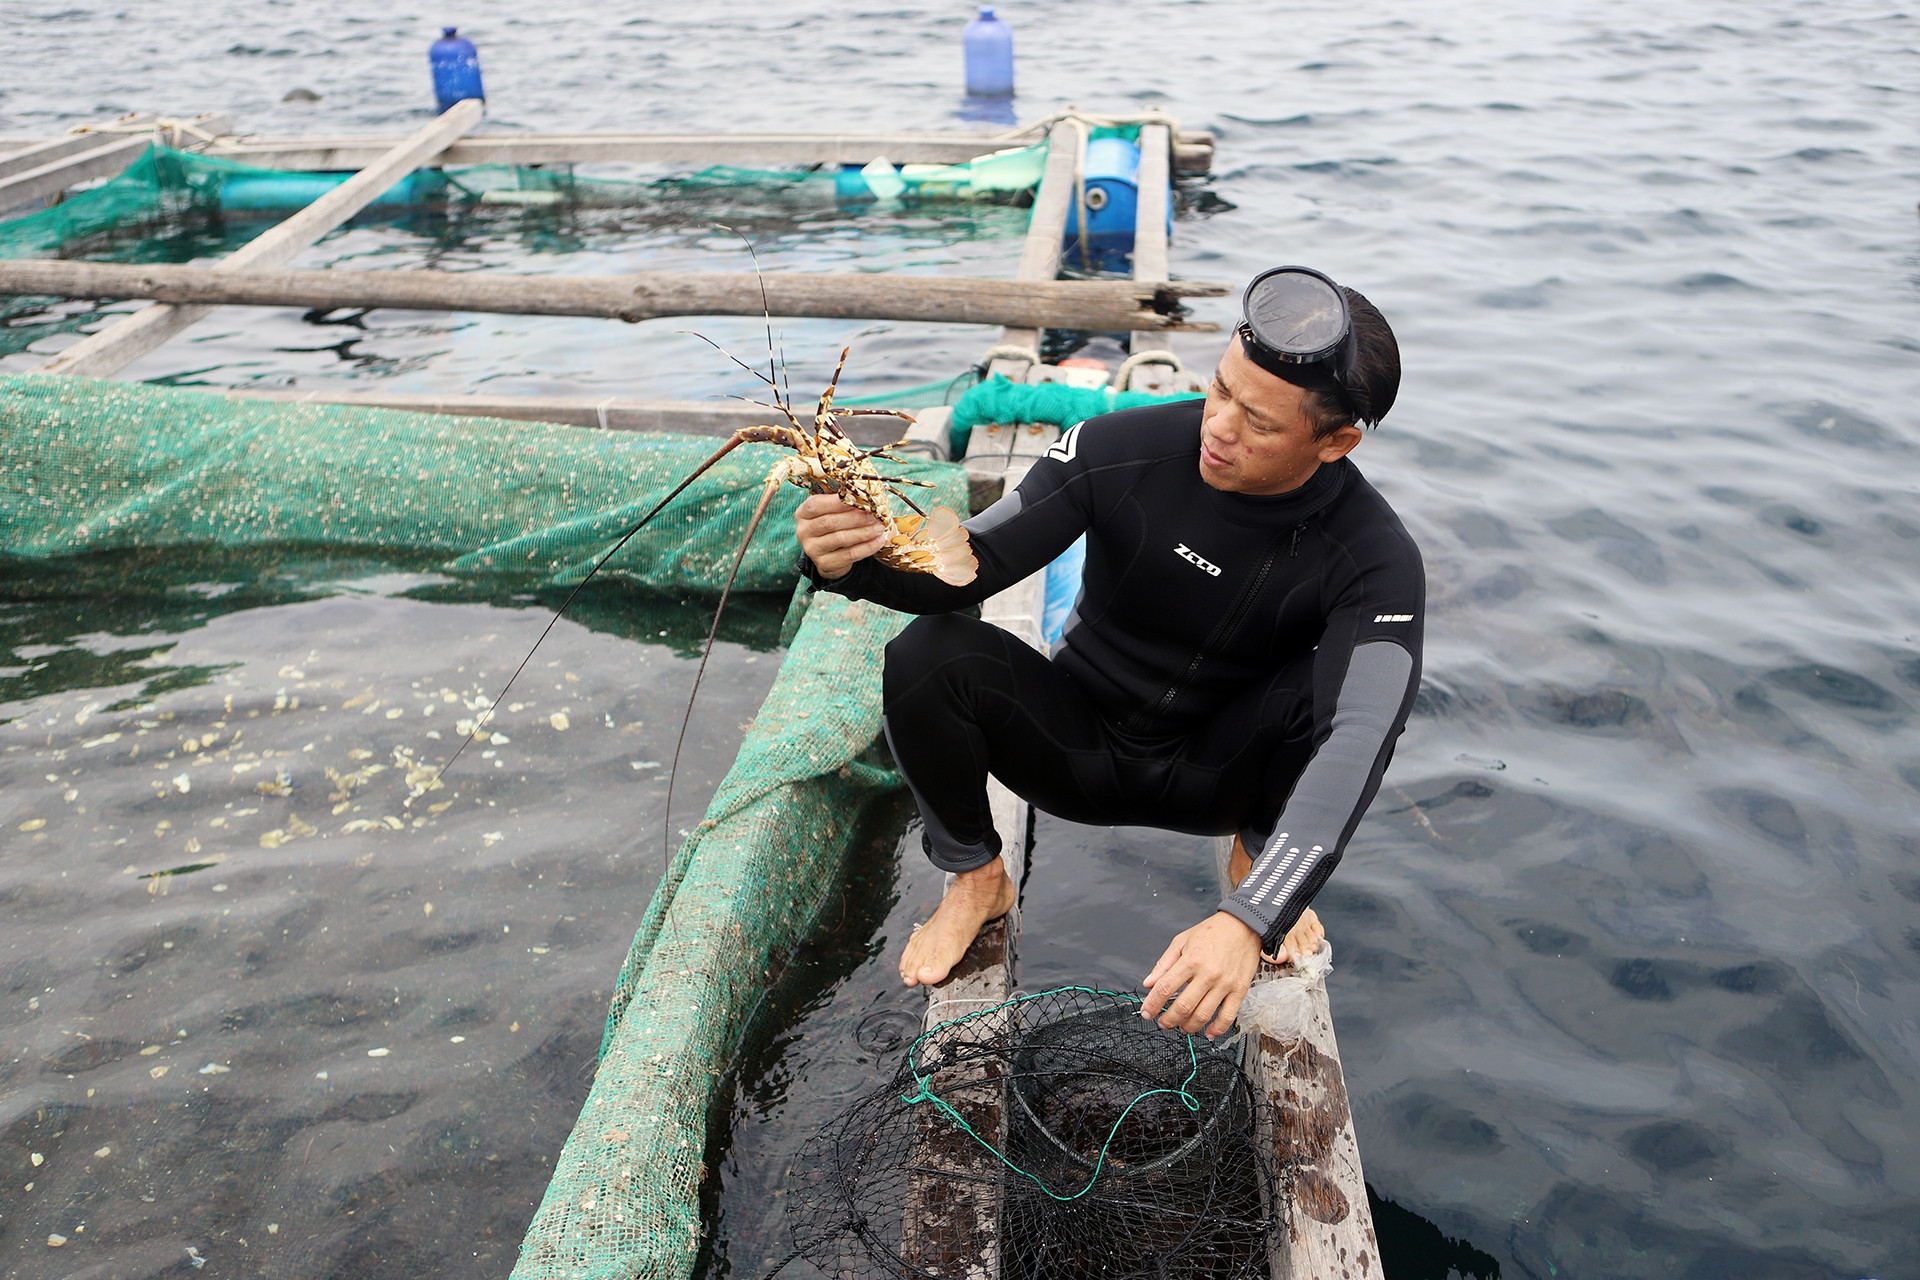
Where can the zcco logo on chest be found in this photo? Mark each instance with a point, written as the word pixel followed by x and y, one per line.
pixel 1194 557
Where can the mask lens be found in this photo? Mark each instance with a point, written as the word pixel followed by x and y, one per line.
pixel 1296 315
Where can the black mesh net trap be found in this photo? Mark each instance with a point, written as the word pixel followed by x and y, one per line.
pixel 1055 1135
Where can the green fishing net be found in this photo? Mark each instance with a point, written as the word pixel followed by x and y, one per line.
pixel 93 465
pixel 165 186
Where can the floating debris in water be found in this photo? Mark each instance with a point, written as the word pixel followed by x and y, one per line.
pixel 378 1053
pixel 214 1069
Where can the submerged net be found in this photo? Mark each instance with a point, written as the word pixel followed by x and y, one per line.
pixel 168 187
pixel 1059 1135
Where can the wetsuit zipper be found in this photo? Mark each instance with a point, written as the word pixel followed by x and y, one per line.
pixel 1223 634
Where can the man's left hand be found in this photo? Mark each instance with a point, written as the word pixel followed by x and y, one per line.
pixel 1211 965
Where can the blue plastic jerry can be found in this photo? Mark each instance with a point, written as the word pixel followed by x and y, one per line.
pixel 989 47
pixel 456 69
pixel 1113 195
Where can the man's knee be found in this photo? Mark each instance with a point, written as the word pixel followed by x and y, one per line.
pixel 930 645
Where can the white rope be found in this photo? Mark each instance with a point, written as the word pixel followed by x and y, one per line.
pixel 601 409
pixel 1080 188
pixel 1138 358
pixel 130 124
pixel 1010 351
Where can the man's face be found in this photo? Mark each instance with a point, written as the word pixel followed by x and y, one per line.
pixel 1255 436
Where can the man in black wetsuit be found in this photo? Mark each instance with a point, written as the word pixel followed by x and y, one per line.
pixel 1242 657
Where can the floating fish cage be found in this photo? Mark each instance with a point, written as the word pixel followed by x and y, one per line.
pixel 448 475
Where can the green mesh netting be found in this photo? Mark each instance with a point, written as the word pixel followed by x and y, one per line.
pixel 624 1198
pixel 1000 400
pixel 91 465
pixel 165 185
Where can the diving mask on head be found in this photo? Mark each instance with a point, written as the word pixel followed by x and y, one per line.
pixel 1297 326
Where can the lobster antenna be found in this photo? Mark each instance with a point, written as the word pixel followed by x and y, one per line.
pixel 766 312
pixel 483 717
pixel 673 771
pixel 729 355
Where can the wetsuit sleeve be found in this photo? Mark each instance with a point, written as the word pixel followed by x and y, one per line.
pixel 1365 674
pixel 1016 536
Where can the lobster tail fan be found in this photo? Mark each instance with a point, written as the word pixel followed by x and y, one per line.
pixel 953 561
pixel 935 544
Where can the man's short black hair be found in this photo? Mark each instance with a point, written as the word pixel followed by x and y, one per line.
pixel 1375 380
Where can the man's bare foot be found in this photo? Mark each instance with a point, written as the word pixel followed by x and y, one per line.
pixel 974 898
pixel 1238 864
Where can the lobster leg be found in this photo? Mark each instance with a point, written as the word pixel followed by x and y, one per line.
pixel 766 497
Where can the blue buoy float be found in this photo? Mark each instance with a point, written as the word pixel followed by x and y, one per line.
pixel 456 69
pixel 989 47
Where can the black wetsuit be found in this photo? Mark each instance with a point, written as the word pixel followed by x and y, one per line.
pixel 1233 663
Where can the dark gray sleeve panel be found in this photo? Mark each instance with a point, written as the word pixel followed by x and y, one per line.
pixel 1334 789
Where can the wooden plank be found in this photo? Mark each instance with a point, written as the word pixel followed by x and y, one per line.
pixel 34 154
pixel 125 341
pixel 48 167
pixel 1327 1224
pixel 1040 254
pixel 1302 1115
pixel 1188 158
pixel 350 152
pixel 105 156
pixel 953 1217
pixel 1086 304
pixel 1150 261
pixel 687 417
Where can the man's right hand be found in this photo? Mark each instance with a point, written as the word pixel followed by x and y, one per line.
pixel 835 536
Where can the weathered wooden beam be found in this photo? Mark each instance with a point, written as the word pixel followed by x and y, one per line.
pixel 1153 184
pixel 1077 304
pixel 103 155
pixel 348 152
pixel 953 1219
pixel 688 417
pixel 49 166
pixel 1192 152
pixel 1303 1120
pixel 1040 253
pixel 31 155
pixel 125 341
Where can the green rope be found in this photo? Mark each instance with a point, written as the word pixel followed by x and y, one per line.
pixel 926 1093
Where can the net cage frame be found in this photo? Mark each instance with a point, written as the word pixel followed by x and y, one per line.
pixel 958 1164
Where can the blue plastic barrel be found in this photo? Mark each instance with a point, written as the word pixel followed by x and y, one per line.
pixel 456 68
pixel 1113 196
pixel 989 45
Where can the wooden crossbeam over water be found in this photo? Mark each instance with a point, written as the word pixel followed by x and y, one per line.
pixel 1076 304
pixel 1192 153
pixel 121 343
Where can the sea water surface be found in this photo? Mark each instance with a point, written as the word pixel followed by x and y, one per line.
pixel 1627 954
